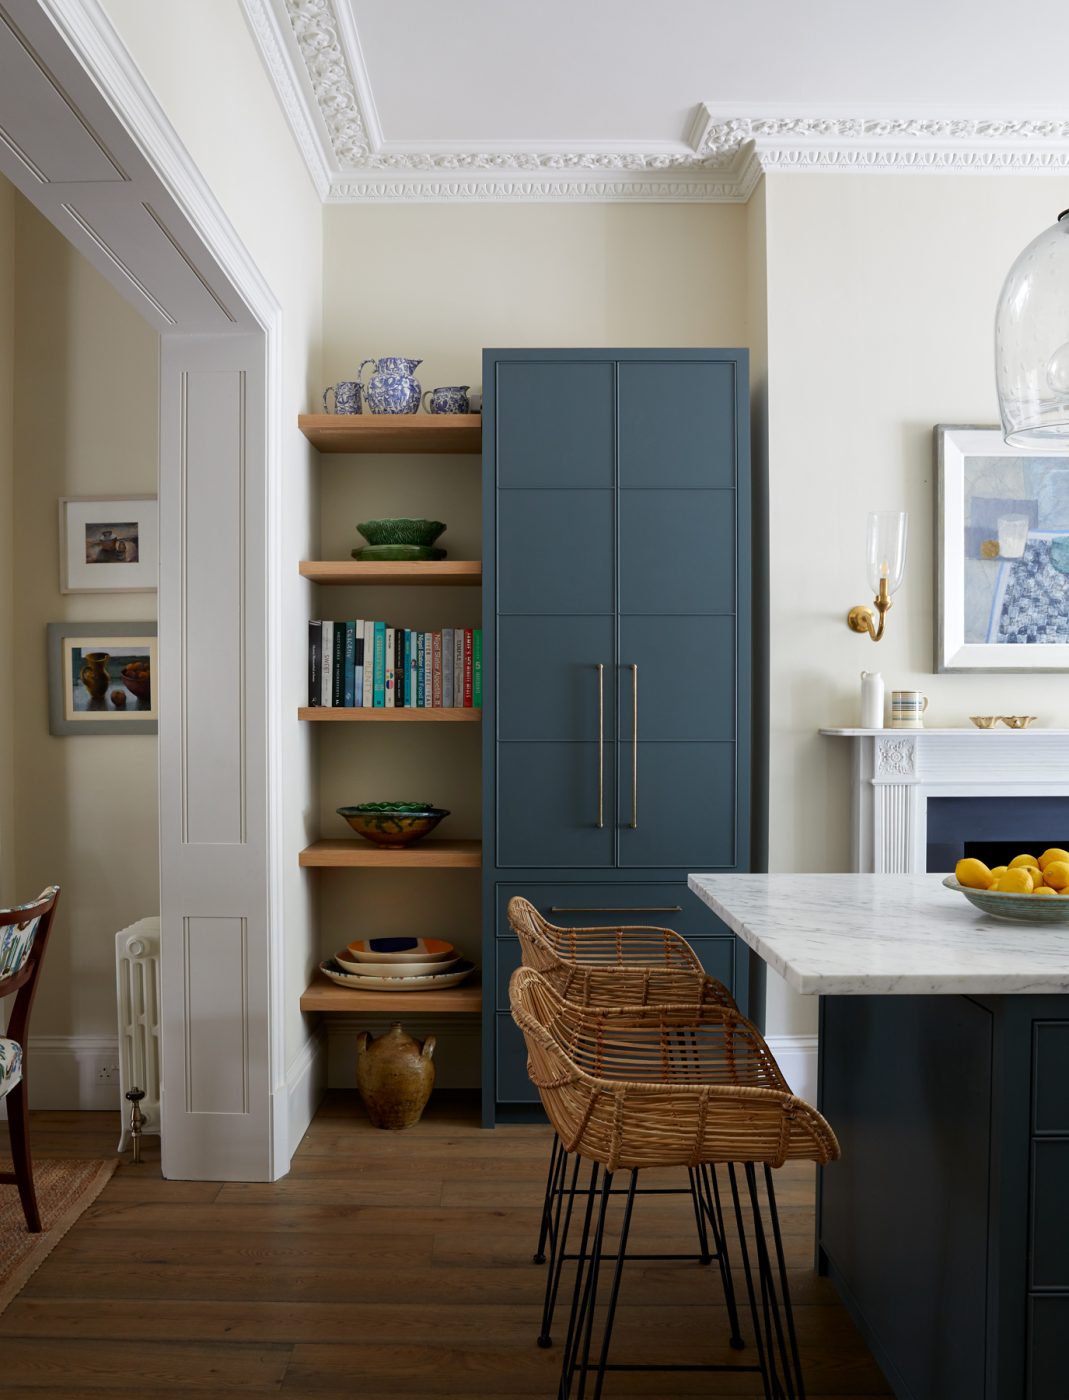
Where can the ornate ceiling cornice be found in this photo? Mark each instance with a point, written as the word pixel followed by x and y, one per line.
pixel 313 58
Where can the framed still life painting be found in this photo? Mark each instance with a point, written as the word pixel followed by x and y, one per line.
pixel 108 544
pixel 102 678
pixel 1002 554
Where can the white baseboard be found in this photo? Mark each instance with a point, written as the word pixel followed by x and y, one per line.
pixel 457 1054
pixel 796 1056
pixel 306 1082
pixel 74 1072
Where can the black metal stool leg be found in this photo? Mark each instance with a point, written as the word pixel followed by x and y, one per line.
pixel 590 1301
pixel 614 1294
pixel 788 1310
pixel 716 1218
pixel 560 1245
pixel 571 1343
pixel 774 1335
pixel 759 1334
pixel 539 1256
pixel 699 1218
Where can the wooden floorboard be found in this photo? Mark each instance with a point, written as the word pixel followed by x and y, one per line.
pixel 384 1265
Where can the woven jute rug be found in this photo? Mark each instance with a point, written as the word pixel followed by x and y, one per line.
pixel 64 1190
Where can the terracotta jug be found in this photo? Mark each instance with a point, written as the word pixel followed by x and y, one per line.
pixel 395 1076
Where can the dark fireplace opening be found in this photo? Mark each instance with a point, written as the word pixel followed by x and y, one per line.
pixel 993 829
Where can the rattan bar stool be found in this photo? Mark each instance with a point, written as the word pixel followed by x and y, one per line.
pixel 611 966
pixel 630 1088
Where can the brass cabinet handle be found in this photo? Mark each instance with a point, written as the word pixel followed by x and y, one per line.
pixel 634 745
pixel 616 908
pixel 601 744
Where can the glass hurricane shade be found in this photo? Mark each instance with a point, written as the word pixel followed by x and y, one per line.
pixel 885 548
pixel 1032 343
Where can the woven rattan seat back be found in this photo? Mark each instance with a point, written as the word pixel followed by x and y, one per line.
pixel 625 964
pixel 660 1086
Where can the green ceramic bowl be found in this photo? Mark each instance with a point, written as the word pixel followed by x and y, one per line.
pixel 393 824
pixel 1018 908
pixel 401 531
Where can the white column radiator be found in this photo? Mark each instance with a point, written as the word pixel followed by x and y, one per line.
pixel 137 983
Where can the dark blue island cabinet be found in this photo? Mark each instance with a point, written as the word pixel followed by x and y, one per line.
pixel 617 640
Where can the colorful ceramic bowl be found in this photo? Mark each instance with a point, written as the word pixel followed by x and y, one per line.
pixel 401 531
pixel 1017 908
pixel 345 960
pixel 400 949
pixel 436 983
pixel 393 824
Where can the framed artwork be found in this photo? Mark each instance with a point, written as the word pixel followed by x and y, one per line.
pixel 102 678
pixel 1002 554
pixel 108 544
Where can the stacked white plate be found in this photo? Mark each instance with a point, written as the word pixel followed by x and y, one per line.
pixel 397 965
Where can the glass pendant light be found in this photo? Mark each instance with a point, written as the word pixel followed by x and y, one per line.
pixel 1032 343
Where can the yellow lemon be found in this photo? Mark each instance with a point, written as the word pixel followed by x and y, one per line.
pixel 997 870
pixel 1052 854
pixel 1018 861
pixel 973 873
pixel 1043 889
pixel 1015 881
pixel 1036 874
pixel 1057 874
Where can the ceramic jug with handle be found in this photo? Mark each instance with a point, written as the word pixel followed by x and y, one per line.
pixel 395 1075
pixel 393 387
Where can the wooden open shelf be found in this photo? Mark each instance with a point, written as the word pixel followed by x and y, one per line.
pixel 363 855
pixel 420 572
pixel 343 714
pixel 325 995
pixel 388 432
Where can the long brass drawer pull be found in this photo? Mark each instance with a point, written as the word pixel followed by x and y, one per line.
pixel 634 745
pixel 601 744
pixel 616 909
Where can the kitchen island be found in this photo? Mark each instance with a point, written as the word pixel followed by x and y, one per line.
pixel 944 1070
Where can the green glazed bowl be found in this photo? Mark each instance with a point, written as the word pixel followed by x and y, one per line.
pixel 1018 908
pixel 393 824
pixel 401 531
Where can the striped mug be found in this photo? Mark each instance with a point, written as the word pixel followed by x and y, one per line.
pixel 907 709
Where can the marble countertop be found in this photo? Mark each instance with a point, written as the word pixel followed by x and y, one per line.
pixel 866 935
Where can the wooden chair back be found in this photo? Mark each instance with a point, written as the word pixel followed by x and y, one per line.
pixel 24 932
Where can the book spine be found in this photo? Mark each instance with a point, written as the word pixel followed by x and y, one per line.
pixel 399 668
pixel 477 668
pixel 349 686
pixel 467 668
pixel 447 668
pixel 458 667
pixel 436 672
pixel 389 683
pixel 380 665
pixel 419 640
pixel 410 672
pixel 358 663
pixel 337 675
pixel 326 670
pixel 315 652
pixel 369 664
pixel 428 670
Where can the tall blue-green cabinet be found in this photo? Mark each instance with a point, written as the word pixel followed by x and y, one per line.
pixel 617 653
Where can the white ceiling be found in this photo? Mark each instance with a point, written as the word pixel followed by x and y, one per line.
pixel 401 99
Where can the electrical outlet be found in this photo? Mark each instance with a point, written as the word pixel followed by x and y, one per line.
pixel 108 1074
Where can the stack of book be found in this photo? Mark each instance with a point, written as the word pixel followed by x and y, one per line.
pixel 375 666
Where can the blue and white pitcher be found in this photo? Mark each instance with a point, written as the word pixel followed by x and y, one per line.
pixel 393 388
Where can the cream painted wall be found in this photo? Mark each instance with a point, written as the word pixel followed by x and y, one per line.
pixel 881 298
pixel 85 395
pixel 442 282
pixel 218 98
pixel 7 534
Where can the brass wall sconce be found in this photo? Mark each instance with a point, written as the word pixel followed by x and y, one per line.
pixel 885 557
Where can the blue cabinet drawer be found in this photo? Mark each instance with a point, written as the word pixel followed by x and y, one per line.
pixel 512 1083
pixel 1049 1244
pixel 717 957
pixel 668 905
pixel 1048 1324
pixel 1050 1077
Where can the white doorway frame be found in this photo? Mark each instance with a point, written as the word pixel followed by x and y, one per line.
pixel 224 1107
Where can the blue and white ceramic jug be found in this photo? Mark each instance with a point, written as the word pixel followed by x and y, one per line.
pixel 393 388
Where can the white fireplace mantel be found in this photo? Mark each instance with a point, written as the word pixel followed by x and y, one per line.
pixel 895 771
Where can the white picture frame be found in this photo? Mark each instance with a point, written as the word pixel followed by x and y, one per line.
pixel 984 596
pixel 108 544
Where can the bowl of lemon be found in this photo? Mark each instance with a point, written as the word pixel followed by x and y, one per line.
pixel 1030 890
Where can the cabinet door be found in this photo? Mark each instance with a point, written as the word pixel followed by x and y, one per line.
pixel 549 687
pixel 554 423
pixel 547 805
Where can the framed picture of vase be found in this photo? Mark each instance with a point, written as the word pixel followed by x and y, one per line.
pixel 102 678
pixel 1002 554
pixel 108 544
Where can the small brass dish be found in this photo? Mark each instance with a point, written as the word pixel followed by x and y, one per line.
pixel 1017 721
pixel 984 721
